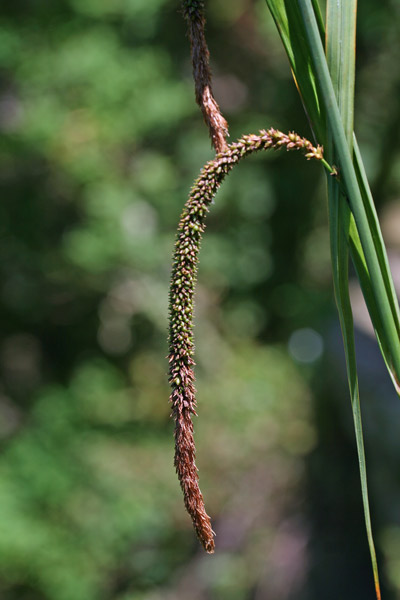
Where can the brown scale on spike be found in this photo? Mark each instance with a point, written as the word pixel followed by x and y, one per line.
pixel 193 11
pixel 181 297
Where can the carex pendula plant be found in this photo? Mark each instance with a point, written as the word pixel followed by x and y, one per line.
pixel 321 54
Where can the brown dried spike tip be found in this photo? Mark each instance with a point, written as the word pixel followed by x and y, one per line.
pixel 193 11
pixel 181 296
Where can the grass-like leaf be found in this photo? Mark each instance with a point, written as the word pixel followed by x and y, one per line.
pixel 340 53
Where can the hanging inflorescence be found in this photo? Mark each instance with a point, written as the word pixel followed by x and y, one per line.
pixel 181 296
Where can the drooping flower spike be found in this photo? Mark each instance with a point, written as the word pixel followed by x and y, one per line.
pixel 181 297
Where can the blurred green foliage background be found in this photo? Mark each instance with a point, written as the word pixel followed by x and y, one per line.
pixel 100 141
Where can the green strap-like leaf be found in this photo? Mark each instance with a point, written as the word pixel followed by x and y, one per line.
pixel 340 53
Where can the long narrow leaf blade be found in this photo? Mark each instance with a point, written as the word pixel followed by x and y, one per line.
pixel 340 52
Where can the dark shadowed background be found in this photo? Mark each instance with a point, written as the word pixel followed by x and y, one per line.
pixel 100 141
